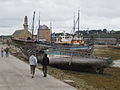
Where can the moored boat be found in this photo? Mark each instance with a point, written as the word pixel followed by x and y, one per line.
pixel 114 46
pixel 75 53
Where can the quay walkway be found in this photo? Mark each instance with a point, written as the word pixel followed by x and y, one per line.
pixel 15 75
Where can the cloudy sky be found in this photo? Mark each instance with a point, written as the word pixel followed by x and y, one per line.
pixel 94 14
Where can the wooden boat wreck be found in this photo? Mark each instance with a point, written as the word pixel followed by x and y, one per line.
pixel 79 60
pixel 92 63
pixel 69 58
pixel 114 46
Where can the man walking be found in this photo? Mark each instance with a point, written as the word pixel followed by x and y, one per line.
pixel 45 62
pixel 6 51
pixel 33 63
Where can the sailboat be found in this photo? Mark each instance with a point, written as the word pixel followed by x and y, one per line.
pixel 73 42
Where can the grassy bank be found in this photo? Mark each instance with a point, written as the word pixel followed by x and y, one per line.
pixel 105 51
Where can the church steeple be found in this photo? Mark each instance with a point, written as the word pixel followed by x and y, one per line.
pixel 25 23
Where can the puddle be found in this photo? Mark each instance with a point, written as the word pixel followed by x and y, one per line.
pixel 116 63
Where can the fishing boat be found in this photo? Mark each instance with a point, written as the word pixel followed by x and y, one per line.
pixel 114 46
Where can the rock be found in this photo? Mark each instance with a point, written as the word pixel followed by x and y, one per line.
pixel 69 81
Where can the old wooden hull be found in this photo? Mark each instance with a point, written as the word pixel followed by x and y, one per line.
pixel 114 46
pixel 81 61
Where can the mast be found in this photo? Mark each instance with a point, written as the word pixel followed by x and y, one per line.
pixel 33 24
pixel 74 23
pixel 51 30
pixel 38 33
pixel 51 26
pixel 78 22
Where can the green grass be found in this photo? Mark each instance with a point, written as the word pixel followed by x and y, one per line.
pixel 114 53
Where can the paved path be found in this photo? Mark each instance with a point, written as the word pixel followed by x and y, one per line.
pixel 15 75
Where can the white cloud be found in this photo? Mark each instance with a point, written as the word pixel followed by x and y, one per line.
pixel 95 14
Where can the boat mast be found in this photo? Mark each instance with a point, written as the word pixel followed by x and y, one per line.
pixel 33 24
pixel 78 22
pixel 38 33
pixel 51 30
pixel 74 23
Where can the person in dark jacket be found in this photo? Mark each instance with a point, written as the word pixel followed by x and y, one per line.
pixel 45 63
pixel 7 50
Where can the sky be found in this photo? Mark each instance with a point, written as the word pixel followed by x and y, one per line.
pixel 94 14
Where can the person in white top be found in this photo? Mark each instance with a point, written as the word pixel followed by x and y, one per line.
pixel 33 64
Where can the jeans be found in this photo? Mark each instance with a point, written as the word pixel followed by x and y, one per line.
pixel 45 70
